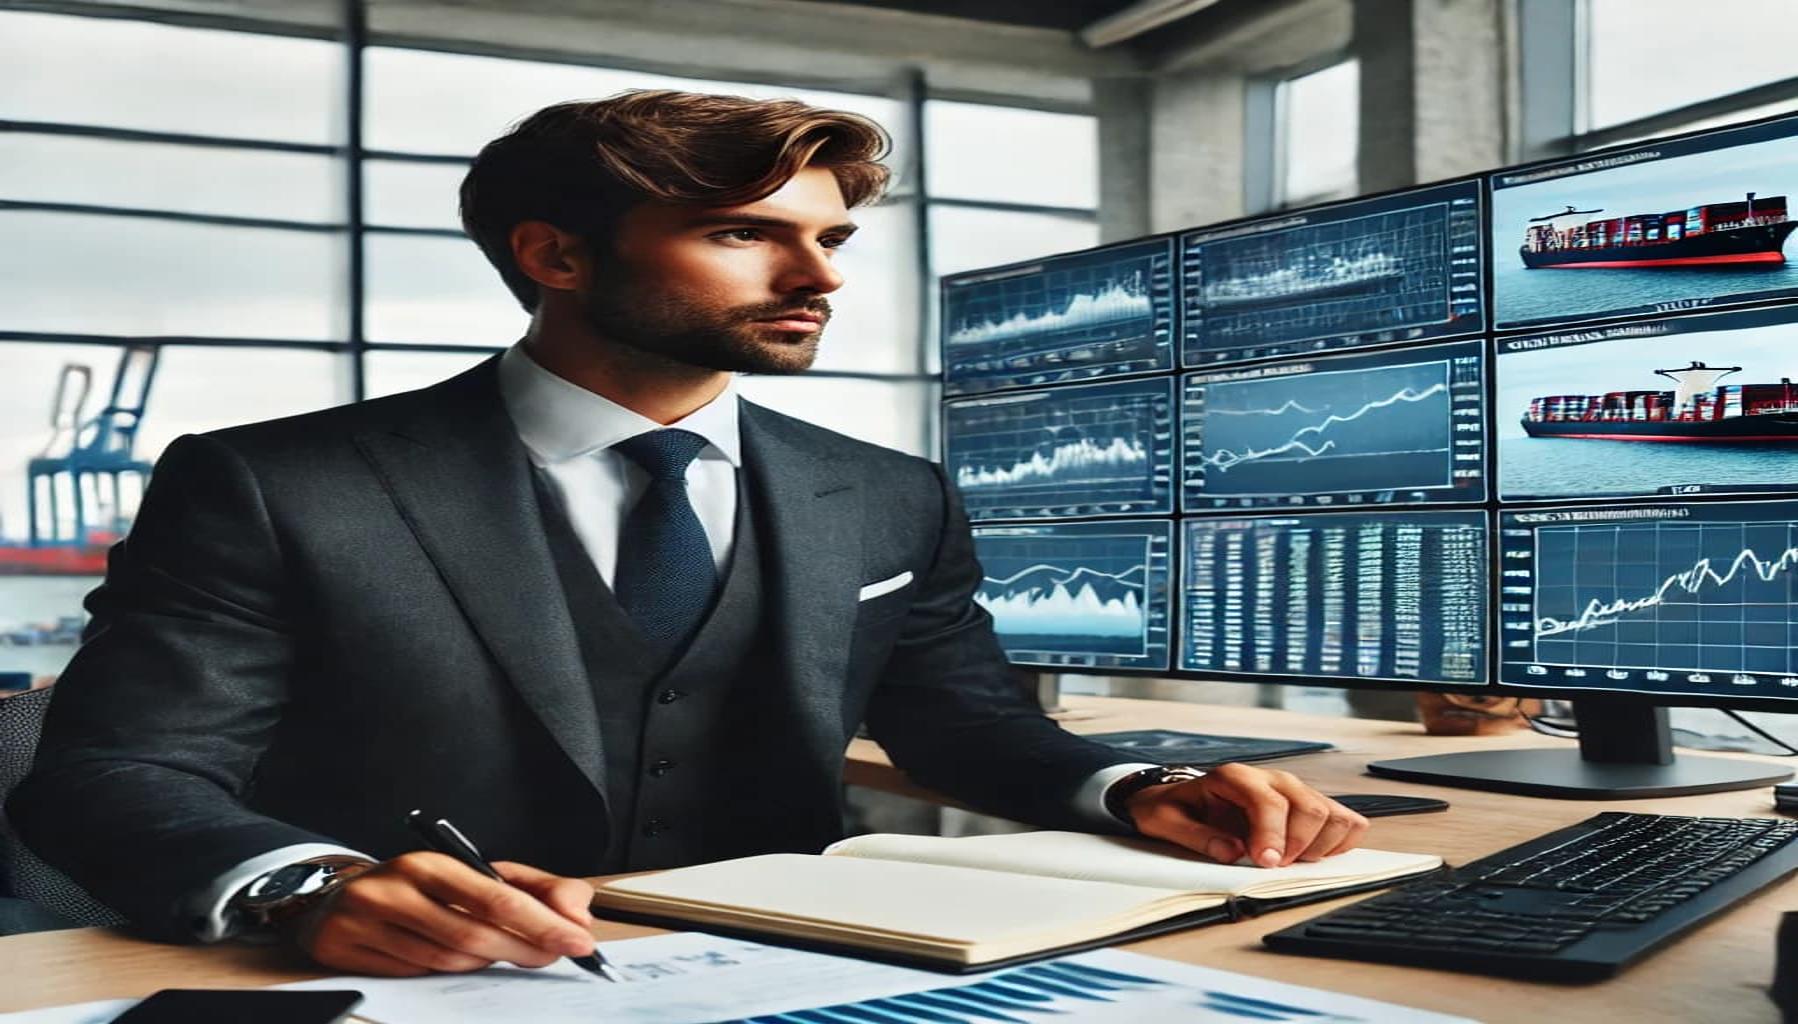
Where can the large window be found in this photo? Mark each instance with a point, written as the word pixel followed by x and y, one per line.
pixel 1316 140
pixel 1599 73
pixel 186 251
pixel 1645 57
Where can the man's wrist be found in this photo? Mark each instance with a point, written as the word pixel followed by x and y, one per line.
pixel 1117 797
pixel 271 902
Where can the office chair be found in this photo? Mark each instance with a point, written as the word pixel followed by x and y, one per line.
pixel 33 895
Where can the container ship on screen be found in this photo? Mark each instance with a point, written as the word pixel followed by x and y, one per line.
pixel 1747 233
pixel 1697 410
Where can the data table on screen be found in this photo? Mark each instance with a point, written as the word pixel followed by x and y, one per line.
pixel 1078 594
pixel 1082 450
pixel 1395 596
pixel 1397 427
pixel 1405 267
pixel 1101 313
pixel 1687 598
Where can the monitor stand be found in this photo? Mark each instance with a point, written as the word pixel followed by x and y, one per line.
pixel 1625 753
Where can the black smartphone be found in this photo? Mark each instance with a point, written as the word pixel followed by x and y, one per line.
pixel 236 1005
pixel 1378 805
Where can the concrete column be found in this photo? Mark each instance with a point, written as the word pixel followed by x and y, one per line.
pixel 1383 42
pixel 1195 176
pixel 1459 55
pixel 1122 106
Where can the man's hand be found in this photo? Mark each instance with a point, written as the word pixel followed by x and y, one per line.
pixel 421 913
pixel 1277 817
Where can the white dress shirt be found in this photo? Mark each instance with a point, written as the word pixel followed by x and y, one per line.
pixel 568 432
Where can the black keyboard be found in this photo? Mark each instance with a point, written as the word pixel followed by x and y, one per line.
pixel 1573 905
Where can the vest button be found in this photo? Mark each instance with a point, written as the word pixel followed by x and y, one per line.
pixel 669 696
pixel 661 768
pixel 655 827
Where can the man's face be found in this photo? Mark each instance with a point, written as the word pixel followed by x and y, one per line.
pixel 738 288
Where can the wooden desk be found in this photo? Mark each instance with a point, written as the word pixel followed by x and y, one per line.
pixel 1716 974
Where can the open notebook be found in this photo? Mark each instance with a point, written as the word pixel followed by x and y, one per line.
pixel 984 901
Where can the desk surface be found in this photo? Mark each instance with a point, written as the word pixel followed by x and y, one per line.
pixel 1716 974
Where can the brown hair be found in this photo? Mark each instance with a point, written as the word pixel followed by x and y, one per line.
pixel 580 165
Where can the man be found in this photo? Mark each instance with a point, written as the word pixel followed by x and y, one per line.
pixel 520 600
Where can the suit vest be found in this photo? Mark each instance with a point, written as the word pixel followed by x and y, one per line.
pixel 673 734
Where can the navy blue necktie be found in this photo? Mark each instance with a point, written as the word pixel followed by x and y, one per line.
pixel 665 577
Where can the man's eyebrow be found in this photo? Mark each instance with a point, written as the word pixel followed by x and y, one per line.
pixel 758 220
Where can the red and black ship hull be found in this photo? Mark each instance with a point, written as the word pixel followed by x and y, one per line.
pixel 1774 427
pixel 1759 245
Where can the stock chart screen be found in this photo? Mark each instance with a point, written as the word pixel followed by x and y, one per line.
pixel 1101 313
pixel 1089 595
pixel 1691 599
pixel 1396 427
pixel 1397 596
pixel 1091 449
pixel 1404 267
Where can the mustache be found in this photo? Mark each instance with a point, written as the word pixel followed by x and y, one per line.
pixel 819 306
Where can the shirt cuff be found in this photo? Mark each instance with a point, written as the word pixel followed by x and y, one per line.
pixel 1089 800
pixel 205 909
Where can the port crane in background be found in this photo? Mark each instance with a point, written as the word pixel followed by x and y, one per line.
pixel 89 463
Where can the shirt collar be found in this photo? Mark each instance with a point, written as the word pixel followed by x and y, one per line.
pixel 558 420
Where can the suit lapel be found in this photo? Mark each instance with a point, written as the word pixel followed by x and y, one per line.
pixel 808 517
pixel 461 480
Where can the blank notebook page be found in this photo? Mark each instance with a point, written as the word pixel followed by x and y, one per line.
pixel 947 903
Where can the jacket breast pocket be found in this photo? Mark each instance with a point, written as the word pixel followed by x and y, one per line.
pixel 884 598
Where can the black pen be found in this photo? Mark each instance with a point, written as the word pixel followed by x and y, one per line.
pixel 444 837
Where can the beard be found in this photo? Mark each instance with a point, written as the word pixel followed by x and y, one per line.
pixel 697 331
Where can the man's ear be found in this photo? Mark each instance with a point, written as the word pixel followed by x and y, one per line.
pixel 548 255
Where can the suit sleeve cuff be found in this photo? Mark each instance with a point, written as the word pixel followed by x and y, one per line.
pixel 1089 800
pixel 205 910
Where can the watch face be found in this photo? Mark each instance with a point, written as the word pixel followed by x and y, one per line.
pixel 280 884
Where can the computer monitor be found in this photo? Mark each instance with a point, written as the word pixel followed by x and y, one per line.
pixel 1402 426
pixel 1626 608
pixel 1073 451
pixel 1371 596
pixel 1403 267
pixel 1409 446
pixel 1078 316
pixel 1664 406
pixel 1674 225
pixel 1079 596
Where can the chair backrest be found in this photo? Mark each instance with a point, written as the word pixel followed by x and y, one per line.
pixel 22 874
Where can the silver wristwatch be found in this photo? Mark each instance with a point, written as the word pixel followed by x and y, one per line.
pixel 277 895
pixel 1117 797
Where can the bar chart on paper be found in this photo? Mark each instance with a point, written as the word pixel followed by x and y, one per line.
pixel 1109 987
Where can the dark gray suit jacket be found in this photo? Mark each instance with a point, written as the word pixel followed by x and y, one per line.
pixel 321 622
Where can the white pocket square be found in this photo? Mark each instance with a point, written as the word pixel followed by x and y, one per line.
pixel 874 590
